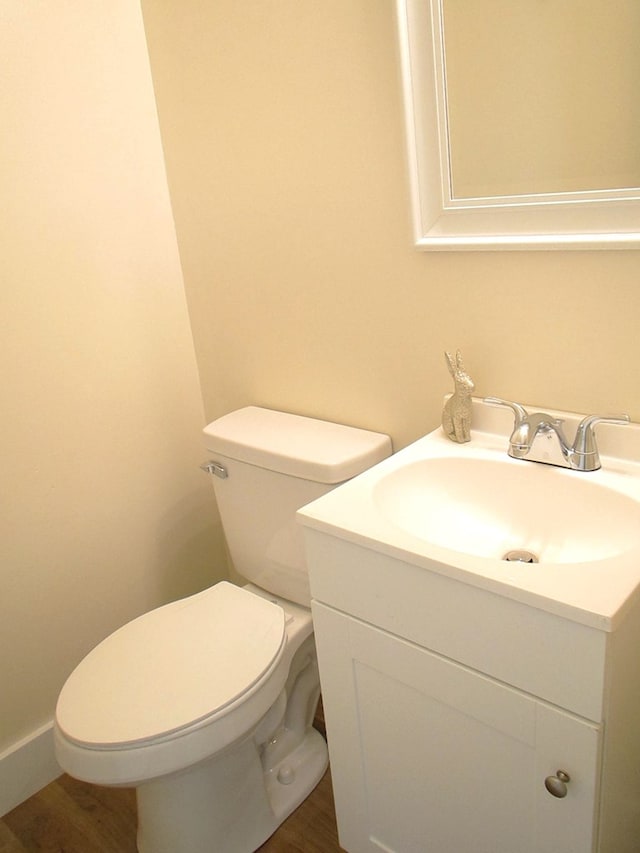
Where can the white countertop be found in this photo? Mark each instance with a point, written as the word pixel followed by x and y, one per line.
pixel 593 592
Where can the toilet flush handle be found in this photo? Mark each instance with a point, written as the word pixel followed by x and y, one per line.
pixel 215 468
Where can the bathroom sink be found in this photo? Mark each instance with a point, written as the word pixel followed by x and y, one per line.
pixel 561 540
pixel 495 506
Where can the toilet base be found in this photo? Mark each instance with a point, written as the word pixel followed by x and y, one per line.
pixel 291 781
pixel 230 804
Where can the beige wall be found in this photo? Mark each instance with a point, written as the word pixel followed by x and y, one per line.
pixel 281 123
pixel 103 511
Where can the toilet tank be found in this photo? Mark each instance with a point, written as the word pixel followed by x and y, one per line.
pixel 268 464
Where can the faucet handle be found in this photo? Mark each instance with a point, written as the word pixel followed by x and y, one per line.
pixel 585 440
pixel 519 411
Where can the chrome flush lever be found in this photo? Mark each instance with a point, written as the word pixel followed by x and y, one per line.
pixel 215 469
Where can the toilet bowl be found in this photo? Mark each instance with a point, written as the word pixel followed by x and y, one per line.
pixel 158 706
pixel 205 705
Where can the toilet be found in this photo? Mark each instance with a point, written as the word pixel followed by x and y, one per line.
pixel 205 705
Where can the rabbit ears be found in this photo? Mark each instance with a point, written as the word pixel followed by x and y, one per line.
pixel 454 364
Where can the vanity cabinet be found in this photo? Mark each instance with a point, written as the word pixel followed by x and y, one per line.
pixel 448 707
pixel 427 755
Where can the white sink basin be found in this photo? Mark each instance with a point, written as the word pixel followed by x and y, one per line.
pixel 458 509
pixel 489 507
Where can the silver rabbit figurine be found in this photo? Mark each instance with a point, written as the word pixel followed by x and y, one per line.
pixel 456 415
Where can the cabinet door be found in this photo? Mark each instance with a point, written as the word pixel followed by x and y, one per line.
pixel 428 756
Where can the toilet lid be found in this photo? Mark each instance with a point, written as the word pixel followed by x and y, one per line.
pixel 172 667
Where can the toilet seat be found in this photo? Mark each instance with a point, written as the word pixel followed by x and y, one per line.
pixel 186 663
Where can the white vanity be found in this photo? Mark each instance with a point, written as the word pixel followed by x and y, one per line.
pixel 477 705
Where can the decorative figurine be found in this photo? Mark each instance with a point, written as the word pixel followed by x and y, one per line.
pixel 456 415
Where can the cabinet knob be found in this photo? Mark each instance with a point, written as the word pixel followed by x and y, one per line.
pixel 557 785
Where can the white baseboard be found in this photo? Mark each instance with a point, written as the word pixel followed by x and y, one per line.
pixel 26 767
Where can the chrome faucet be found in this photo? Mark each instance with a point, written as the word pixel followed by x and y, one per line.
pixel 538 437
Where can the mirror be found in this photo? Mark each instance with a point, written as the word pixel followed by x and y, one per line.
pixel 523 122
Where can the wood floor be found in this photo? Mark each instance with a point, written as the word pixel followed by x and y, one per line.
pixel 74 817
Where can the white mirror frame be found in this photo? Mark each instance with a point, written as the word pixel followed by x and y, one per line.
pixel 604 219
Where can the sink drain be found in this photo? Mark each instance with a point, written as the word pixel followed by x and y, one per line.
pixel 519 556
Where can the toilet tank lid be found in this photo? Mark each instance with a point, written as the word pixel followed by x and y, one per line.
pixel 311 449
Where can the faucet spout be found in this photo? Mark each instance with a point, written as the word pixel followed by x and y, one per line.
pixel 537 424
pixel 539 437
pixel 527 427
